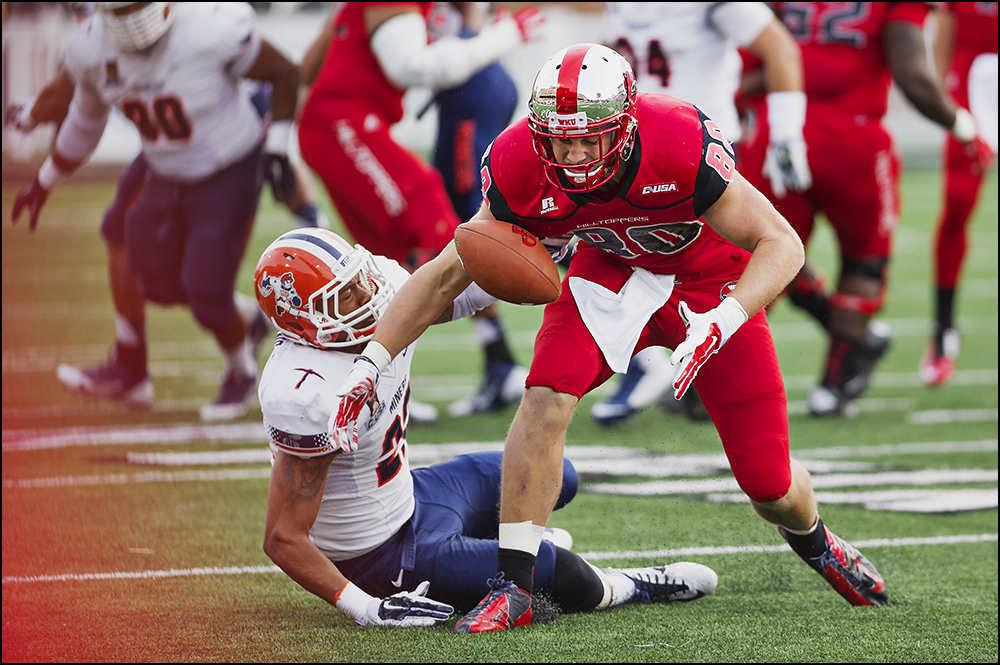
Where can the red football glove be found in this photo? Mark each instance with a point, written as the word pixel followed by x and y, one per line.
pixel 354 394
pixel 529 22
pixel 706 333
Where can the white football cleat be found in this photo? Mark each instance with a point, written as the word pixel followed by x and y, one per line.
pixel 676 582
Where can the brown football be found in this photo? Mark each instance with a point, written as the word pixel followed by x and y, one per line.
pixel 507 262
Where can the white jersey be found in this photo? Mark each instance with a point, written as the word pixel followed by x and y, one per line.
pixel 369 492
pixel 688 50
pixel 183 95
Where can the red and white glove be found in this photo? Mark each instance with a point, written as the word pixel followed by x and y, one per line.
pixel 529 22
pixel 356 391
pixel 706 333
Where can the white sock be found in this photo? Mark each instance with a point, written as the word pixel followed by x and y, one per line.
pixel 622 587
pixel 521 536
pixel 247 306
pixel 126 333
pixel 240 360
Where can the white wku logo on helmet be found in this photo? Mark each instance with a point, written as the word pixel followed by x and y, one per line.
pixel 659 189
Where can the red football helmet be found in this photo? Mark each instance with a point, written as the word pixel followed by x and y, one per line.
pixel 298 281
pixel 584 90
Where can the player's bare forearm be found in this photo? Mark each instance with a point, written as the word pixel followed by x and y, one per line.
pixel 52 103
pixel 906 55
pixel 746 218
pixel 422 300
pixel 293 499
pixel 276 69
pixel 781 56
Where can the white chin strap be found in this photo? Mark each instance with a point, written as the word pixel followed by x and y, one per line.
pixel 138 30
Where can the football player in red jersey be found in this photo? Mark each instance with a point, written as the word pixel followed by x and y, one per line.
pixel 850 55
pixel 389 198
pixel 676 250
pixel 965 52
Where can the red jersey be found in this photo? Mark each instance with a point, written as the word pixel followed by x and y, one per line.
pixel 975 34
pixel 680 166
pixel 350 73
pixel 843 64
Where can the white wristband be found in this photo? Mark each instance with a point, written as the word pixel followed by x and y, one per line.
pixel 378 354
pixel 964 127
pixel 49 174
pixel 278 135
pixel 786 114
pixel 354 602
pixel 732 314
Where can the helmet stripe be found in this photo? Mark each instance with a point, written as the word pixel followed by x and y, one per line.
pixel 330 248
pixel 569 78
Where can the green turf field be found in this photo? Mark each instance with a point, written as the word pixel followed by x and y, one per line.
pixel 117 547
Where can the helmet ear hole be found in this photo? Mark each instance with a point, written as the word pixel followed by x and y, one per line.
pixel 293 325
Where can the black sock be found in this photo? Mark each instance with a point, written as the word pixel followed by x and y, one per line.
pixel 497 351
pixel 517 567
pixel 809 546
pixel 945 313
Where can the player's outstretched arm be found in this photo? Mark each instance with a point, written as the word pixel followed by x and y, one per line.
pixel 906 54
pixel 293 500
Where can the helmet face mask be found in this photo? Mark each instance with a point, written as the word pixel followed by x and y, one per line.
pixel 583 91
pixel 135 26
pixel 319 290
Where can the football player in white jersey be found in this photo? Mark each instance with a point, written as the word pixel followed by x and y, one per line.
pixel 175 71
pixel 689 50
pixel 355 525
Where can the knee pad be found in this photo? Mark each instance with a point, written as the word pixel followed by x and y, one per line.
pixel 870 272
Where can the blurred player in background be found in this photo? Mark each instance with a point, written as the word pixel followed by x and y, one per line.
pixel 389 198
pixel 175 71
pixel 965 53
pixel 51 105
pixel 354 525
pixel 470 116
pixel 689 50
pixel 675 249
pixel 851 53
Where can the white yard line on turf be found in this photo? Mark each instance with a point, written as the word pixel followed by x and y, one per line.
pixel 591 556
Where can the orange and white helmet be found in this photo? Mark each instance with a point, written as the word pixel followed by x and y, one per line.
pixel 134 26
pixel 298 282
pixel 583 90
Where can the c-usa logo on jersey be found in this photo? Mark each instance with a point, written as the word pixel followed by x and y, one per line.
pixel 285 296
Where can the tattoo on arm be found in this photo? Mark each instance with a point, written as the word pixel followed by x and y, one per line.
pixel 445 315
pixel 304 479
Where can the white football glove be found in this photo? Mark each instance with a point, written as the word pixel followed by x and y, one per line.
pixel 354 393
pixel 403 609
pixel 706 333
pixel 785 163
